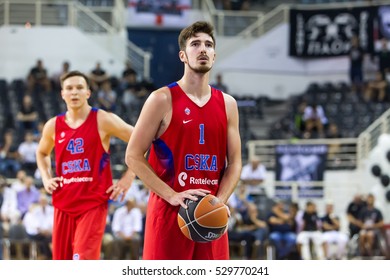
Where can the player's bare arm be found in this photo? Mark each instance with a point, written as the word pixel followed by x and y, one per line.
pixel 232 173
pixel 45 147
pixel 153 121
pixel 112 125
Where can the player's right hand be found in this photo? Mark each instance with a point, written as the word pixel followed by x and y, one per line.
pixel 52 184
pixel 180 197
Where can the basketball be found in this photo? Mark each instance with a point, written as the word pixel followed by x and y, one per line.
pixel 204 220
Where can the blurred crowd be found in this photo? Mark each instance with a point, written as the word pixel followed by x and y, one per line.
pixel 260 227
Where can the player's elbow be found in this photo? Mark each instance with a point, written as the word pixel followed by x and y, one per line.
pixel 130 160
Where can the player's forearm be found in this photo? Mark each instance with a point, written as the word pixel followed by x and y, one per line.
pixel 146 174
pixel 229 181
pixel 128 177
pixel 44 166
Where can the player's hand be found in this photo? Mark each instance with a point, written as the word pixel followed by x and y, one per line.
pixel 118 190
pixel 227 207
pixel 228 210
pixel 179 198
pixel 122 186
pixel 52 184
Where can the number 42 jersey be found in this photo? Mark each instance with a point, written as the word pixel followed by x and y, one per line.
pixel 84 165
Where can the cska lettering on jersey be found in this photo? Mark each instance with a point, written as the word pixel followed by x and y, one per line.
pixel 201 162
pixel 74 166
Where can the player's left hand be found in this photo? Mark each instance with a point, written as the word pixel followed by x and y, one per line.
pixel 228 210
pixel 118 191
pixel 120 188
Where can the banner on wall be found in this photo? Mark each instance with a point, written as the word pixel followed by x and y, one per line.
pixel 328 32
pixel 302 164
pixel 152 13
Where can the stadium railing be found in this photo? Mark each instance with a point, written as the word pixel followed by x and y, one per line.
pixel 352 154
pixel 229 23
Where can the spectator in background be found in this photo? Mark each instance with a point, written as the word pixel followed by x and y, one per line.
pixel 27 116
pixel 377 87
pixel 281 223
pixel 332 234
pixel 38 132
pixel 315 120
pixel 383 56
pixel 127 227
pixel 128 71
pixel 27 196
pixel 130 98
pixel 27 150
pixel 299 122
pixel 19 183
pixel 219 84
pixel 311 231
pixel 57 76
pixel 9 213
pixel 106 97
pixel 353 212
pixel 253 175
pixel 237 234
pixel 334 148
pixel 297 214
pixel 256 226
pixel 356 57
pixel 9 156
pixel 38 222
pixel 135 96
pixel 333 131
pixel 371 219
pixel 38 79
pixel 248 221
pixel 97 76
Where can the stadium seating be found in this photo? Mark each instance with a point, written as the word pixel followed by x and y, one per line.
pixel 348 110
pixel 18 245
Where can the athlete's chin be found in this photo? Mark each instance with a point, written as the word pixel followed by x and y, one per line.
pixel 203 69
pixel 74 105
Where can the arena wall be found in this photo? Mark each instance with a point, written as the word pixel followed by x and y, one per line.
pixel 21 47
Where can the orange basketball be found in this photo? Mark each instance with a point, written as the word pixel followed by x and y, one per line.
pixel 204 220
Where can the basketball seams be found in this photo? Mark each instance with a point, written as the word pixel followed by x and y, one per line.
pixel 192 226
pixel 209 213
pixel 197 219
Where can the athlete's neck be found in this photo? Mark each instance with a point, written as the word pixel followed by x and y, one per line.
pixel 77 116
pixel 196 87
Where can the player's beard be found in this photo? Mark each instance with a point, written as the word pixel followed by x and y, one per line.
pixel 202 69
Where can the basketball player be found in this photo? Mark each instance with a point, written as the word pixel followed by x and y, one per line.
pixel 196 149
pixel 82 184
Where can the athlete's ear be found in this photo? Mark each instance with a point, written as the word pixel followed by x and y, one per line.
pixel 89 93
pixel 182 56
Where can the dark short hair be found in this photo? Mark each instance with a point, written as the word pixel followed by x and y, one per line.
pixel 196 27
pixel 74 74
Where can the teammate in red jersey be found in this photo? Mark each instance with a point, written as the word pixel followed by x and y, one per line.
pixel 193 132
pixel 82 184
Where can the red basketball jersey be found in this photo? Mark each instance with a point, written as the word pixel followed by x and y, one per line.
pixel 84 165
pixel 190 154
